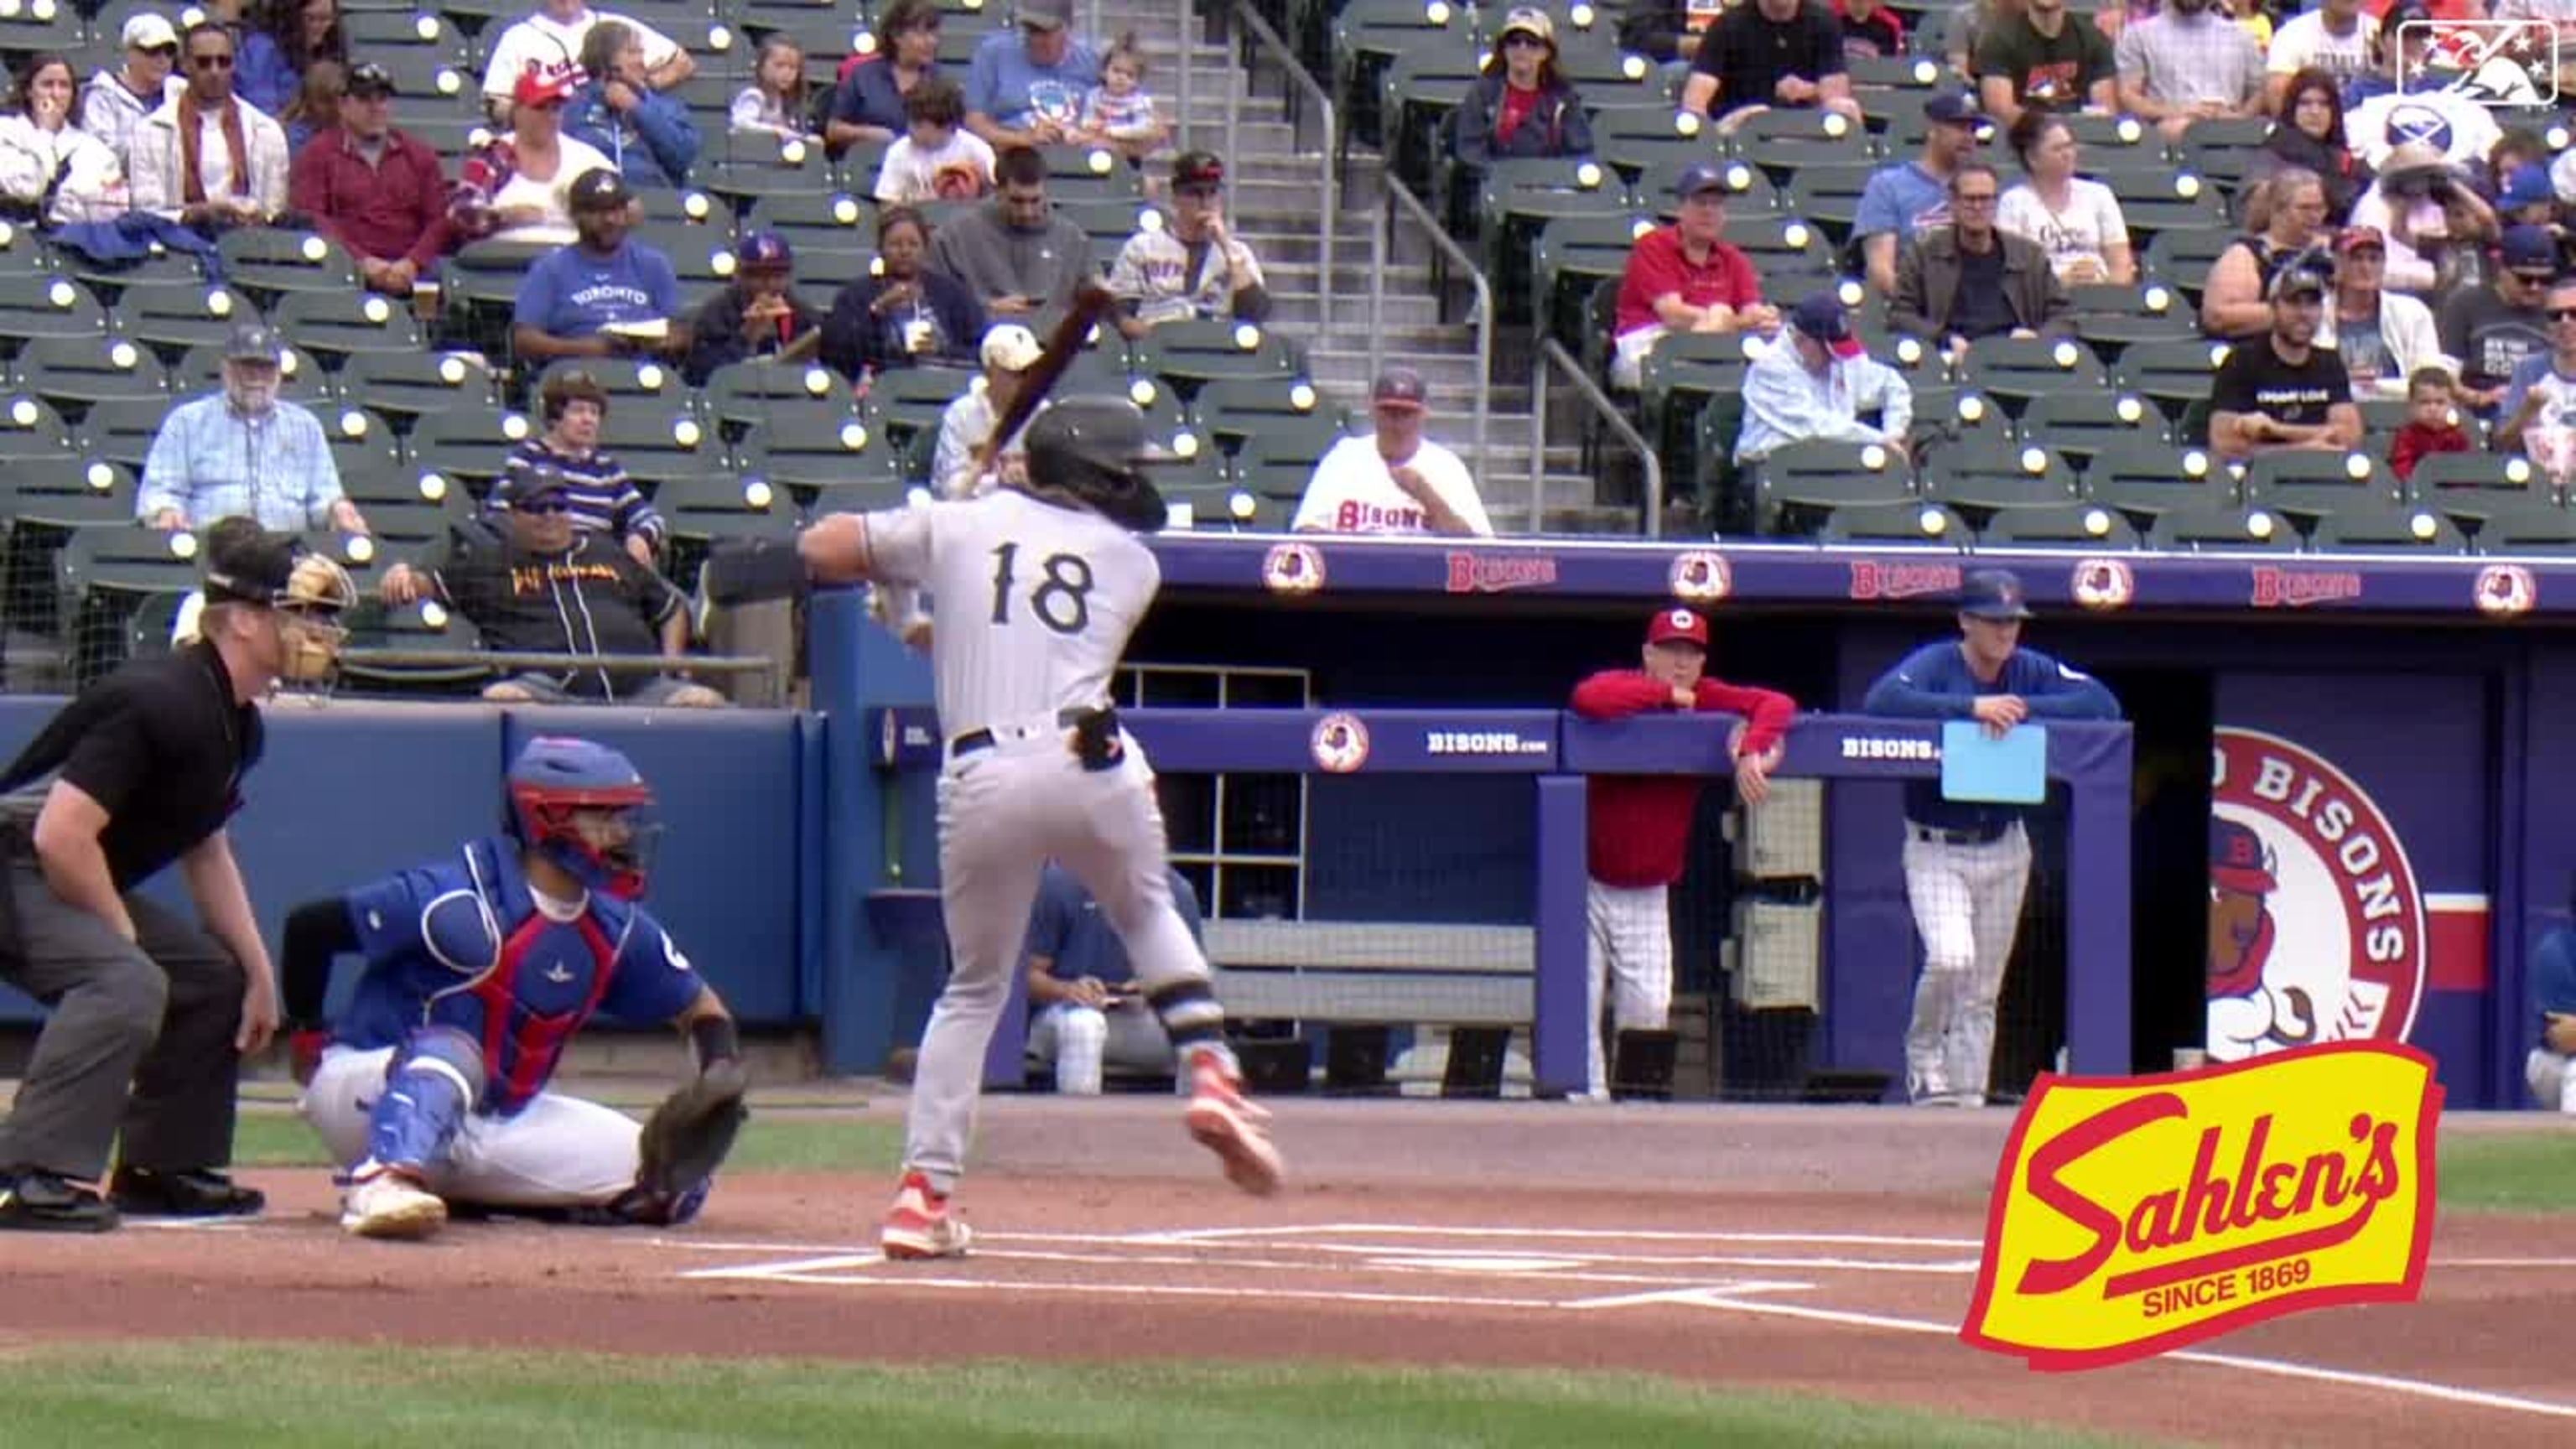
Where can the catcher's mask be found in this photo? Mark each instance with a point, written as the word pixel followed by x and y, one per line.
pixel 583 806
pixel 305 592
pixel 1095 449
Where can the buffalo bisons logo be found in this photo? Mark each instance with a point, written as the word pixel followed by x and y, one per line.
pixel 2103 583
pixel 1701 577
pixel 1292 568
pixel 2316 923
pixel 2505 590
pixel 1340 743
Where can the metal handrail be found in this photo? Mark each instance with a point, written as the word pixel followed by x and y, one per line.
pixel 1552 353
pixel 1403 200
pixel 1267 40
pixel 1188 44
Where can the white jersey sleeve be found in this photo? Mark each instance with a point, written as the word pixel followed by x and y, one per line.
pixel 900 545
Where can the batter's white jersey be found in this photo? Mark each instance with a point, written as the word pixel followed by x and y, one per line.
pixel 1036 602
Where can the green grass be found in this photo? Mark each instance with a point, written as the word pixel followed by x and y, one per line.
pixel 769 1143
pixel 2533 1172
pixel 275 1396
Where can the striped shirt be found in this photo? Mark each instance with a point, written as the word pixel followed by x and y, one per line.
pixel 603 498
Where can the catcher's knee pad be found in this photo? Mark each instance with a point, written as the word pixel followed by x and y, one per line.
pixel 435 1080
pixel 443 1051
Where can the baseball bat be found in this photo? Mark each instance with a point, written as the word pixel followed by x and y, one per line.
pixel 1091 302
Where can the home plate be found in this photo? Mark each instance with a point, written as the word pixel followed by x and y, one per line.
pixel 1498 1263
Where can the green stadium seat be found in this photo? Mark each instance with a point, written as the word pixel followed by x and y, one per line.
pixel 1785 142
pixel 405 386
pixel 740 396
pixel 908 400
pixel 2532 527
pixel 1796 484
pixel 2062 525
pixel 2386 528
pixel 70 373
pixel 1191 354
pixel 2307 483
pixel 2172 375
pixel 423 626
pixel 2080 424
pixel 1979 476
pixel 171 317
pixel 2014 370
pixel 270 263
pixel 2223 529
pixel 1230 411
pixel 2144 479
pixel 1279 466
pixel 336 326
pixel 46 305
pixel 1912 522
pixel 2478 485
pixel 469 446
pixel 104 575
pixel 200 370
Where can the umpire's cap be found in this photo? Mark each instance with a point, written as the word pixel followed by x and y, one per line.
pixel 1992 594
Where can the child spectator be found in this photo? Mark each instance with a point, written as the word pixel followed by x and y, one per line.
pixel 1871 31
pixel 2429 428
pixel 937 159
pixel 1117 112
pixel 776 101
pixel 316 107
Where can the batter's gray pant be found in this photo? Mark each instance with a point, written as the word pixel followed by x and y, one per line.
pixel 138 1039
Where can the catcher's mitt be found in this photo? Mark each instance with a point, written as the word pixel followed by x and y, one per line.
pixel 687 1137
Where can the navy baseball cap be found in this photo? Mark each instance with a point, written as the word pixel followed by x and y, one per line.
pixel 1698 178
pixel 1952 109
pixel 599 189
pixel 1992 594
pixel 764 249
pixel 253 342
pixel 2529 249
pixel 1823 318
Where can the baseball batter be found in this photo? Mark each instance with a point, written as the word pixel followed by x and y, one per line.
pixel 480 969
pixel 1039 586
pixel 1967 863
pixel 1640 824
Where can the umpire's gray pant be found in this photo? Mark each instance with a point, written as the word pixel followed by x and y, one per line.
pixel 138 1040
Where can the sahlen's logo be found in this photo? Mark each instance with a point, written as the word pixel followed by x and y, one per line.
pixel 2134 1216
pixel 2490 62
pixel 2316 920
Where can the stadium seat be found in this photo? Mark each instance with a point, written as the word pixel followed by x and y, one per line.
pixel 104 574
pixel 2080 424
pixel 1279 466
pixel 2531 528
pixel 22 252
pixel 2144 479
pixel 1230 411
pixel 2220 149
pixel 843 220
pixel 1514 199
pixel 70 373
pixel 67 495
pixel 740 396
pixel 856 468
pixel 1633 140
pixel 1574 254
pixel 1077 172
pixel 372 31
pixel 359 437
pixel 1828 194
pixel 647 386
pixel 1677 378
pixel 2014 370
pixel 468 446
pixel 1979 476
pixel 2223 529
pixel 171 317
pixel 1916 521
pixel 1749 190
pixel 421 625
pixel 407 385
pixel 271 262
pixel 45 305
pixel 2386 528
pixel 1191 354
pixel 2172 375
pixel 2067 525
pixel 1221 505
pixel 121 430
pixel 2479 484
pixel 1404 111
pixel 661 442
pixel 1784 142
pixel 705 509
pixel 906 400
pixel 1797 482
pixel 336 326
pixel 2180 257
pixel 1791 255
pixel 200 370
pixel 2307 483
pixel 2109 317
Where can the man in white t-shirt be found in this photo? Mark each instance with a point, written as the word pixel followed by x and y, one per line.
pixel 2336 37
pixel 550 39
pixel 1396 480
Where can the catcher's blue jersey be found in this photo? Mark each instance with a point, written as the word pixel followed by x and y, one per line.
pixel 462 944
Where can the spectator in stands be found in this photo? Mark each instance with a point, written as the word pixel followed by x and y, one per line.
pixel 116 101
pixel 1665 31
pixel 868 104
pixel 597 494
pixel 606 295
pixel 519 187
pixel 904 316
pixel 758 314
pixel 2384 338
pixel 1686 278
pixel 1816 382
pixel 2310 138
pixel 963 464
pixel 1014 253
pixel 1971 280
pixel 530 581
pixel 2284 218
pixel 936 159
pixel 207 158
pixel 1765 53
pixel 646 135
pixel 2539 416
pixel 2280 390
pixel 1118 113
pixel 1196 267
pixel 1521 106
pixel 1964 28
pixel 2076 221
pixel 282 44
pixel 1089 1011
pixel 374 190
pixel 550 39
pixel 2335 39
pixel 2039 56
pixel 2460 128
pixel 244 450
pixel 2432 424
pixel 1906 198
pixel 2525 199
pixel 2188 61
pixel 2491 329
pixel 1025 85
pixel 779 101
pixel 316 107
pixel 1395 480
pixel 2434 220
pixel 51 171
pixel 1871 31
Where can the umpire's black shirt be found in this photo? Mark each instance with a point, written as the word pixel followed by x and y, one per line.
pixel 162 745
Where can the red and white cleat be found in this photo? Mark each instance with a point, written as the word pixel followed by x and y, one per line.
pixel 1228 1124
pixel 919 1226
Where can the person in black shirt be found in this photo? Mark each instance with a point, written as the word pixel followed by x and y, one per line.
pixel 531 582
pixel 1766 53
pixel 2281 390
pixel 150 1016
pixel 758 315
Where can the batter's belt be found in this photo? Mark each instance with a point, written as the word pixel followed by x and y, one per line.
pixel 973 740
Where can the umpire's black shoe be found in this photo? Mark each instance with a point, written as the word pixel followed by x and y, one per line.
pixel 195 1193
pixel 39 1202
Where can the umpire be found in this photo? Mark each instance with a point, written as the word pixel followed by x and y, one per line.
pixel 149 1015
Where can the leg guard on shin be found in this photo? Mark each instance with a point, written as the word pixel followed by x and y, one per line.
pixel 433 1083
pixel 1191 1015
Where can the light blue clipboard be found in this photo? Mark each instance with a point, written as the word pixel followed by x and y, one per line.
pixel 2008 771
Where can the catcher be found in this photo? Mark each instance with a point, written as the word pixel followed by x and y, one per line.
pixel 480 969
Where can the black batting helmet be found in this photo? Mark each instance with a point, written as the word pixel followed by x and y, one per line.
pixel 1096 449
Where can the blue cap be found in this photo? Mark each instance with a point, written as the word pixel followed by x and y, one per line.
pixel 1698 177
pixel 1992 594
pixel 1950 108
pixel 2527 186
pixel 2529 249
pixel 1822 317
pixel 763 249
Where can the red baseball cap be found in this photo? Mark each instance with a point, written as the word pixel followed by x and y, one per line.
pixel 1678 624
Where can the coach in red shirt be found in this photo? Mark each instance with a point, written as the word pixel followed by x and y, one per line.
pixel 1640 824
pixel 372 189
pixel 1684 278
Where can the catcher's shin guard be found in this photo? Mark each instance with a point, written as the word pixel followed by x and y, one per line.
pixel 428 1090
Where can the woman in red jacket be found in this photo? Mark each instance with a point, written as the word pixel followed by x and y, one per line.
pixel 1640 824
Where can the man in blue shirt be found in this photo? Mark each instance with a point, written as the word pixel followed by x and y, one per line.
pixel 244 451
pixel 1967 863
pixel 1909 196
pixel 1085 995
pixel 1025 88
pixel 604 295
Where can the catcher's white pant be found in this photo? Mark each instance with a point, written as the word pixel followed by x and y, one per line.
pixel 2552 1078
pixel 1631 954
pixel 559 1152
pixel 1081 1040
pixel 1967 907
pixel 1004 811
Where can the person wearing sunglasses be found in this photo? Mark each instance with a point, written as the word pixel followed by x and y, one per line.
pixel 116 101
pixel 2539 414
pixel 208 158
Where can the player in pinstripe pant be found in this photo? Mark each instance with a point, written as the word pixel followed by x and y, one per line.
pixel 1967 864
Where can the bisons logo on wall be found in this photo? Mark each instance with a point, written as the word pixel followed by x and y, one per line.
pixel 2316 920
pixel 1340 743
pixel 1700 577
pixel 1292 568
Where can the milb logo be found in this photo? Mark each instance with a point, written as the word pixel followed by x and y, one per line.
pixel 2494 62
